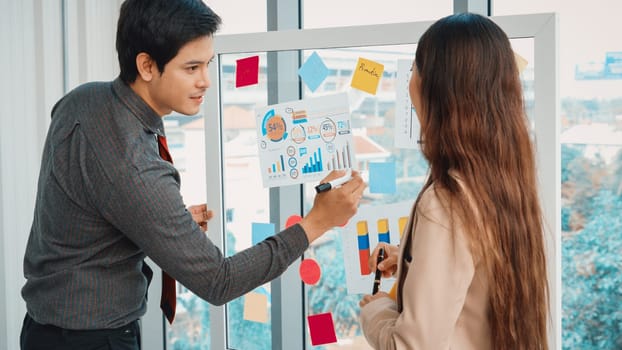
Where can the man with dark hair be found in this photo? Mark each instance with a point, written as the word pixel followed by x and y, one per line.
pixel 160 31
pixel 108 195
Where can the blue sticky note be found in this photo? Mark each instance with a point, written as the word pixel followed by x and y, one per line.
pixel 261 231
pixel 382 178
pixel 313 71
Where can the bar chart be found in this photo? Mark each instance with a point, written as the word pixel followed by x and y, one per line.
pixel 277 167
pixel 341 159
pixel 314 164
pixel 383 231
pixel 372 224
pixel 363 245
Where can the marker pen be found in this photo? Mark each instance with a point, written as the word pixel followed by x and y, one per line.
pixel 378 272
pixel 334 183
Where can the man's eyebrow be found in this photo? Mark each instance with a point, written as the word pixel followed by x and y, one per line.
pixel 192 62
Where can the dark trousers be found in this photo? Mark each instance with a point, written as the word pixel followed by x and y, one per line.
pixel 36 336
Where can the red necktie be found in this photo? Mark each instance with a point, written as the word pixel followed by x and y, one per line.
pixel 168 301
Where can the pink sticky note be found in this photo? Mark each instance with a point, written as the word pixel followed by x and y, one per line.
pixel 247 71
pixel 322 329
pixel 310 271
pixel 294 219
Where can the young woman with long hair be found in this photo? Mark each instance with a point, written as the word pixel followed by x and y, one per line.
pixel 471 267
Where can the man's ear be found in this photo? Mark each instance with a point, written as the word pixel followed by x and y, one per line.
pixel 146 66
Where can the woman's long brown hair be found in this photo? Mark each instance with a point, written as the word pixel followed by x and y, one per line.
pixel 473 122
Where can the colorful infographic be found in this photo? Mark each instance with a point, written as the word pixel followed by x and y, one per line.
pixel 371 224
pixel 302 141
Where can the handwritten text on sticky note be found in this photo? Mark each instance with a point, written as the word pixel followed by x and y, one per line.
pixel 367 75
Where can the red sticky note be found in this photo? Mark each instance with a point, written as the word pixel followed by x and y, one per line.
pixel 294 219
pixel 322 329
pixel 247 71
pixel 310 271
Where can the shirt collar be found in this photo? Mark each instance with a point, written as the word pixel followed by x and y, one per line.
pixel 147 116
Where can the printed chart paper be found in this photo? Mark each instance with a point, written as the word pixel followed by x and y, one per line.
pixel 302 141
pixel 406 122
pixel 371 224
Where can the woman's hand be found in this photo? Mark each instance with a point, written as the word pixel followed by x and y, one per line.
pixel 388 266
pixel 368 298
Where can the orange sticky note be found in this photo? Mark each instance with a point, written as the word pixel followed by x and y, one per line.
pixel 256 307
pixel 310 271
pixel 322 329
pixel 367 75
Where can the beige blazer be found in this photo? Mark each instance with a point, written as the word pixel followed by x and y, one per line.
pixel 444 298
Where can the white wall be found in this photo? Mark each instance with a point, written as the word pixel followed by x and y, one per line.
pixel 33 79
pixel 31 60
pixel 91 34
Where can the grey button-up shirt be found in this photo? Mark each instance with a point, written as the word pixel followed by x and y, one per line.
pixel 106 199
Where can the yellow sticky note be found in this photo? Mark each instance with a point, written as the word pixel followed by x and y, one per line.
pixel 367 75
pixel 521 63
pixel 256 307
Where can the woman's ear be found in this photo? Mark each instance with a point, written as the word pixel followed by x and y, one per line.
pixel 146 66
